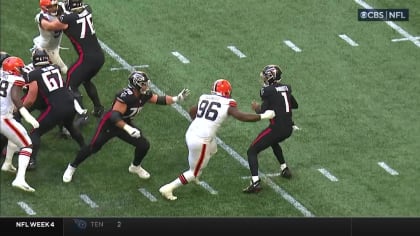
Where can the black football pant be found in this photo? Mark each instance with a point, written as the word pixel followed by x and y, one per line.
pixel 269 137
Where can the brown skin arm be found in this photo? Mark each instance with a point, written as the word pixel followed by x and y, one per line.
pixel 53 25
pixel 243 116
pixel 15 93
pixel 169 99
pixel 256 107
pixel 32 94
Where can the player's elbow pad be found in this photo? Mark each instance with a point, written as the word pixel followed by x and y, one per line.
pixel 115 116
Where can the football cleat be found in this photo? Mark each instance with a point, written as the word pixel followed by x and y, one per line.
pixel 81 120
pixel 32 164
pixel 8 168
pixel 285 173
pixel 142 173
pixel 98 111
pixel 254 187
pixel 64 133
pixel 22 185
pixel 166 191
pixel 68 174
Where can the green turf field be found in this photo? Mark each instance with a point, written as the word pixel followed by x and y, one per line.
pixel 356 155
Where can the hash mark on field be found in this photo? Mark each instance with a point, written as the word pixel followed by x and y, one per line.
pixel 286 196
pixel 207 187
pixel 236 51
pixel 405 39
pixel 26 208
pixel 88 201
pixel 292 46
pixel 147 194
pixel 348 40
pixel 387 168
pixel 181 57
pixel 327 174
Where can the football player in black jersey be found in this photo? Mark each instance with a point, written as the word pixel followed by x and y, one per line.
pixel 278 97
pixel 77 24
pixel 117 122
pixel 45 82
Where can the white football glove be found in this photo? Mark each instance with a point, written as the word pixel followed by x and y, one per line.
pixel 28 117
pixel 182 95
pixel 268 114
pixel 133 132
pixel 295 127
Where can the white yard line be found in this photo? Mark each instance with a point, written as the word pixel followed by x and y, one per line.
pixel 397 28
pixel 226 147
pixel 387 168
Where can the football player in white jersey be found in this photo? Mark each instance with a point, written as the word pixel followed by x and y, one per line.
pixel 11 83
pixel 208 115
pixel 49 40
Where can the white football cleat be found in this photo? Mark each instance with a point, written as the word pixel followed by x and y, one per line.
pixel 68 174
pixel 166 191
pixel 8 168
pixel 22 185
pixel 142 173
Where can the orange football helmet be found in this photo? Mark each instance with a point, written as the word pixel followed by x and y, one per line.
pixel 49 6
pixel 222 88
pixel 13 65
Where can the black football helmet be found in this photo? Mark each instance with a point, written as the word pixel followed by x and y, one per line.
pixel 137 80
pixel 271 74
pixel 3 55
pixel 40 57
pixel 73 4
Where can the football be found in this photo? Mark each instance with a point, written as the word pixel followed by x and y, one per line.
pixel 193 112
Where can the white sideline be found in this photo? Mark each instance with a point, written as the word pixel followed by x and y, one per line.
pixel 393 25
pixel 226 147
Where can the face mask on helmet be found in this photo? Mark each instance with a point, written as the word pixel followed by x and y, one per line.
pixel 40 57
pixel 222 88
pixel 271 74
pixel 73 4
pixel 49 6
pixel 139 80
pixel 13 65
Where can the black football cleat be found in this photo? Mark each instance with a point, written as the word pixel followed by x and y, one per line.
pixel 81 120
pixel 254 187
pixel 32 164
pixel 285 173
pixel 98 111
